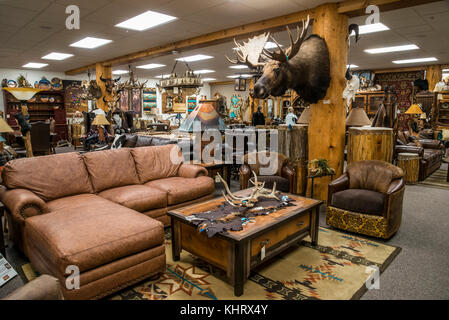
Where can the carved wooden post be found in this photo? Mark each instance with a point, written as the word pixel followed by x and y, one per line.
pixel 327 124
pixel 434 74
pixel 106 72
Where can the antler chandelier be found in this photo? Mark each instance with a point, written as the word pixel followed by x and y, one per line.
pixel 132 83
pixel 189 84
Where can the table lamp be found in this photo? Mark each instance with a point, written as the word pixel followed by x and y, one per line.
pixel 4 128
pixel 305 117
pixel 414 109
pixel 357 118
pixel 100 120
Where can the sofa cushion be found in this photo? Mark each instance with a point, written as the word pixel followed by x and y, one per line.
pixel 111 169
pixel 143 141
pixel 360 201
pixel 92 237
pixel 137 197
pixel 79 201
pixel 49 177
pixel 131 141
pixel 180 190
pixel 154 163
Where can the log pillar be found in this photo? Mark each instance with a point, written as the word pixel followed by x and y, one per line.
pixel 106 72
pixel 434 74
pixel 327 123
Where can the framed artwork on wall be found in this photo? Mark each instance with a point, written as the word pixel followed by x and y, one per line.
pixel 124 100
pixel 136 101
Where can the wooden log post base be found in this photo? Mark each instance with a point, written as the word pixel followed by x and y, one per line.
pixel 294 145
pixel 409 163
pixel 368 143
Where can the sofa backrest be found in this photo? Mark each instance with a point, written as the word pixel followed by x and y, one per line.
pixel 154 163
pixel 111 169
pixel 373 175
pixel 49 177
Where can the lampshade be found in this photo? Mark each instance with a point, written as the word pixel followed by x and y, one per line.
pixel 305 117
pixel 4 127
pixel 414 109
pixel 22 94
pixel 357 118
pixel 100 120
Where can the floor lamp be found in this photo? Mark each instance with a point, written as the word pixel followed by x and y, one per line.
pixel 23 95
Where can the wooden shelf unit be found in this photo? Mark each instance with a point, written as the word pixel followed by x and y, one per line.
pixel 369 101
pixel 40 111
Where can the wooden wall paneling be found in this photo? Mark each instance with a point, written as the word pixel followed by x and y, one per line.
pixel 434 74
pixel 328 116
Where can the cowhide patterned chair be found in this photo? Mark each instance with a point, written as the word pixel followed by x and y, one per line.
pixel 367 199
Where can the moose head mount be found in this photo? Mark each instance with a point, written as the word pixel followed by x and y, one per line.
pixel 304 66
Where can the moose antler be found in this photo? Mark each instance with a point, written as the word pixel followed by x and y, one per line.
pixel 249 202
pixel 284 56
pixel 249 53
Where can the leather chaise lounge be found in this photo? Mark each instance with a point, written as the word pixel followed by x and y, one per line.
pixel 103 212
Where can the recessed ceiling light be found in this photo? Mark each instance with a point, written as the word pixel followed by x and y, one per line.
pixel 208 79
pixel 268 45
pixel 415 60
pixel 151 66
pixel 370 28
pixel 203 71
pixel 352 66
pixel 239 67
pixel 392 49
pixel 240 76
pixel 197 57
pixel 35 65
pixel 119 72
pixel 90 43
pixel 163 76
pixel 57 56
pixel 445 70
pixel 145 21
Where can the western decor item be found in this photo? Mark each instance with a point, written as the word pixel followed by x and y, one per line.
pixel 100 120
pixel 305 117
pixel 189 84
pixel 4 128
pixel 136 101
pixel 56 84
pixel 367 143
pixel 205 115
pixel 409 163
pixel 22 82
pixel 236 105
pixel 44 84
pixel 414 109
pixel 150 101
pixel 367 199
pixel 319 167
pixel 357 118
pixel 304 66
pixel 262 237
pixel 191 104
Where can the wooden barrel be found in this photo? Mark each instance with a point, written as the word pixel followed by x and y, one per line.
pixel 294 145
pixel 368 143
pixel 409 163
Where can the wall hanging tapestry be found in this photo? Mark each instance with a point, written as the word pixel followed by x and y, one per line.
pixel 191 104
pixel 124 100
pixel 136 101
pixel 236 105
pixel 150 101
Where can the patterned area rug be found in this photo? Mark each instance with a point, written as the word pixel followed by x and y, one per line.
pixel 336 269
pixel 436 180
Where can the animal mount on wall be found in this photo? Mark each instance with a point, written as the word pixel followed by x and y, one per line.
pixel 304 66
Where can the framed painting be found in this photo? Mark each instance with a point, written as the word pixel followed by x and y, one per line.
pixel 136 101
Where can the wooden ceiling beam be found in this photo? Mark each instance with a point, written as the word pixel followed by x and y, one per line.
pixel 348 7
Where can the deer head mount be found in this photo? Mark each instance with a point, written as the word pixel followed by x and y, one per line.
pixel 304 66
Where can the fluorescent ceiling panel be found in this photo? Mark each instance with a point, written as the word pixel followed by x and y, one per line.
pixel 415 60
pixel 151 66
pixel 239 67
pixel 35 65
pixel 119 71
pixel 145 21
pixel 209 79
pixel 90 43
pixel 268 45
pixel 371 28
pixel 203 71
pixel 57 56
pixel 392 49
pixel 197 57
pixel 352 66
pixel 240 76
pixel 163 76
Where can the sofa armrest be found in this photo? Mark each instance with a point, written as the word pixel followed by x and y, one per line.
pixel 191 171
pixel 409 149
pixel 43 288
pixel 23 203
pixel 431 144
pixel 340 184
pixel 244 175
pixel 289 173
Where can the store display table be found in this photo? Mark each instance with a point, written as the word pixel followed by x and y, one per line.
pixel 239 252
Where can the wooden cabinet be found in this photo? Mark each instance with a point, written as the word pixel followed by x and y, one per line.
pixel 442 108
pixel 370 101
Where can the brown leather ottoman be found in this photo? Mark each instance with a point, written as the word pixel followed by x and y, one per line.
pixel 129 248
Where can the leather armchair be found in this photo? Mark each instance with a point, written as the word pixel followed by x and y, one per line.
pixel 43 288
pixel 285 176
pixel 367 199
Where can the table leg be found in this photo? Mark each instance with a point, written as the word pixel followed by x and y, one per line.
pixel 315 225
pixel 239 268
pixel 175 240
pixel 227 174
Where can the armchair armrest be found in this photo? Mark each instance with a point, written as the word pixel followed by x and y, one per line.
pixel 409 149
pixel 393 204
pixel 191 171
pixel 289 173
pixel 23 203
pixel 245 175
pixel 340 184
pixel 43 288
pixel 431 144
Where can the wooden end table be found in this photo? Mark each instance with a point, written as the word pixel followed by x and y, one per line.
pixel 2 240
pixel 218 167
pixel 239 252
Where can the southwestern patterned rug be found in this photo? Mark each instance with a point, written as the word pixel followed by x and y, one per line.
pixel 336 269
pixel 437 180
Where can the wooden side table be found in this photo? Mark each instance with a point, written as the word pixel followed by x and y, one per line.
pixel 409 163
pixel 318 176
pixel 2 239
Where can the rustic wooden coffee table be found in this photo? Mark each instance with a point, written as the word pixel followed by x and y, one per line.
pixel 238 252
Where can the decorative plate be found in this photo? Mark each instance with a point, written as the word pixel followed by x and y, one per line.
pixel 44 99
pixel 44 84
pixel 12 84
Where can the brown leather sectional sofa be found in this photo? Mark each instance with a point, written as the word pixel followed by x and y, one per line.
pixel 103 212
